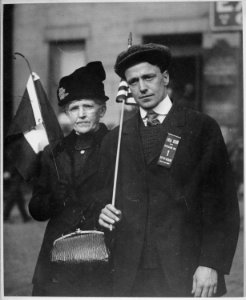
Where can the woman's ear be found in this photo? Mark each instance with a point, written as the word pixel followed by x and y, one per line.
pixel 102 111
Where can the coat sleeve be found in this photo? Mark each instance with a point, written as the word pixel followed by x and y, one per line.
pixel 43 192
pixel 39 205
pixel 219 203
pixel 105 175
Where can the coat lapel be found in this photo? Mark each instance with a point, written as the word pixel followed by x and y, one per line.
pixel 131 139
pixel 65 153
pixel 92 161
pixel 91 164
pixel 174 124
pixel 175 120
pixel 62 157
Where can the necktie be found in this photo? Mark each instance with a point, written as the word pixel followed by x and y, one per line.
pixel 152 118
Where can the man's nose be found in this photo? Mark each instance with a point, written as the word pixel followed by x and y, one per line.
pixel 142 86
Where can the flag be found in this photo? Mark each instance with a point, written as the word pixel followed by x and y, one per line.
pixel 33 127
pixel 124 93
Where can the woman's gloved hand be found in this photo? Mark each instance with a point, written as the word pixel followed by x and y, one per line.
pixel 60 196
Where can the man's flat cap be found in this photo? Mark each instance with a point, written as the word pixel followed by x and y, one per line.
pixel 155 54
pixel 84 83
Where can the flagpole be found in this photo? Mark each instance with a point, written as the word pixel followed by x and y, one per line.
pixel 32 76
pixel 118 152
pixel 119 138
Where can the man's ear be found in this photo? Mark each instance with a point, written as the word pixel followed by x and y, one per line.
pixel 165 76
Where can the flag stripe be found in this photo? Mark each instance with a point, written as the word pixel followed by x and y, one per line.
pixel 131 101
pixel 37 138
pixel 123 88
pixel 34 126
pixel 124 93
pixel 34 99
pixel 51 123
pixel 20 153
pixel 123 83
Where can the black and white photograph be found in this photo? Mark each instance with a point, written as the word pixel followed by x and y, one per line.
pixel 122 149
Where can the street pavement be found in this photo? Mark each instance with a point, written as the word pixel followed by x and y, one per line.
pixel 22 242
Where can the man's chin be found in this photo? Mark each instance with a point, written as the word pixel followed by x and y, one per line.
pixel 147 105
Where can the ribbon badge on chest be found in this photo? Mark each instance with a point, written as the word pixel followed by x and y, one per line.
pixel 168 151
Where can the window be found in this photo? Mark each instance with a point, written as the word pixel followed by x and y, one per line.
pixel 65 57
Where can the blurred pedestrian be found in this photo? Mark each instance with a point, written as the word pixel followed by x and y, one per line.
pixel 62 201
pixel 14 194
pixel 176 219
pixel 188 97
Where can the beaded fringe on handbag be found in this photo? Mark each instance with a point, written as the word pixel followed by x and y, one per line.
pixel 80 247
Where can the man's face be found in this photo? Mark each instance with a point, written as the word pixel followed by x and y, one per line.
pixel 147 84
pixel 85 115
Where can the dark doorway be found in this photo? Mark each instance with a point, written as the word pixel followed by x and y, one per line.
pixel 8 10
pixel 186 67
pixel 185 81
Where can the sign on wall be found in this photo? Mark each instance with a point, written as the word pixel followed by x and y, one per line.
pixel 226 15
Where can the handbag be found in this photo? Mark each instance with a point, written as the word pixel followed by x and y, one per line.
pixel 80 246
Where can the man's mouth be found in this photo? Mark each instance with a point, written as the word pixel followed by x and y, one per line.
pixel 145 97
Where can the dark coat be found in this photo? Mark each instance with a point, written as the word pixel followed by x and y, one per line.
pixel 194 207
pixel 55 279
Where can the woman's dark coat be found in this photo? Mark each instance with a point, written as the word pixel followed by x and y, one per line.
pixel 79 171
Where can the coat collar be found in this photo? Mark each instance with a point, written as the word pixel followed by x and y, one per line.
pixel 65 151
pixel 173 123
pixel 74 141
pixel 175 118
pixel 162 108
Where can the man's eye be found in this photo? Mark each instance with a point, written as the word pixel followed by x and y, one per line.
pixel 133 82
pixel 149 78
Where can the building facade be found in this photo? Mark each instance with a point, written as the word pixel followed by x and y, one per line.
pixel 206 71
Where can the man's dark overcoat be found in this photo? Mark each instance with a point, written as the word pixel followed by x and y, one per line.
pixel 79 170
pixel 193 204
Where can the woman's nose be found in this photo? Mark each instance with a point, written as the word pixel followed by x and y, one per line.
pixel 81 112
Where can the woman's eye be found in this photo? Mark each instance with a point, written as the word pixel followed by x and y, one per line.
pixel 73 109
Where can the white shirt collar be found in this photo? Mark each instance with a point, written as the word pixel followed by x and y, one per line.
pixel 161 109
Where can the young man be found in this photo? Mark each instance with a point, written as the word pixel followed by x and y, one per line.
pixel 176 217
pixel 62 200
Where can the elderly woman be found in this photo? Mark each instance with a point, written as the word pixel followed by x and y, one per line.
pixel 62 200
